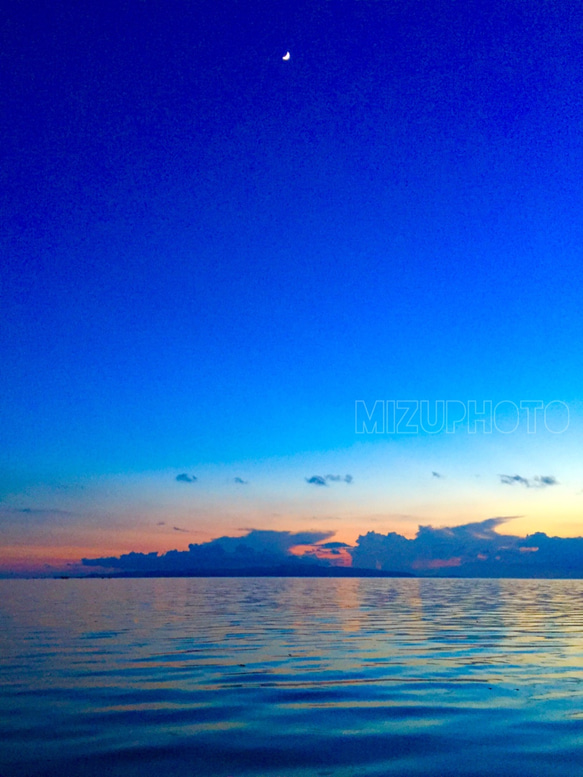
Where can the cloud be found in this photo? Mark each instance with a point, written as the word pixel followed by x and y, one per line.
pixel 510 480
pixel 240 481
pixel 471 550
pixel 430 548
pixel 546 480
pixel 539 481
pixel 25 518
pixel 161 523
pixel 177 528
pixel 316 480
pixel 256 549
pixel 319 480
pixel 184 478
pixel 436 475
pixel 34 511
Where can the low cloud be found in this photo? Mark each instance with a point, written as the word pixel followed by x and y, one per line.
pixel 471 550
pixel 256 549
pixel 177 528
pixel 184 478
pixel 437 475
pixel 539 481
pixel 240 481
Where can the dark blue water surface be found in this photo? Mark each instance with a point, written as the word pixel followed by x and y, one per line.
pixel 291 677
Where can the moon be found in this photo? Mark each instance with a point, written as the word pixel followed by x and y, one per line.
pixel 286 56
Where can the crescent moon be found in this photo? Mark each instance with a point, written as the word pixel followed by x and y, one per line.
pixel 286 56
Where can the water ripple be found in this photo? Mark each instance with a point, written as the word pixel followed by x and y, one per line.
pixel 291 677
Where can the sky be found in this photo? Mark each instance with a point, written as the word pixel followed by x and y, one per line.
pixel 215 262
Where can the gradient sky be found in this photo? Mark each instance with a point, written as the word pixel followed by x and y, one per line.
pixel 210 254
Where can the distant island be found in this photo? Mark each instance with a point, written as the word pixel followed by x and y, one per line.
pixel 290 570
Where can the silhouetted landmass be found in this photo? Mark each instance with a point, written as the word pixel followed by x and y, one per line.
pixel 292 570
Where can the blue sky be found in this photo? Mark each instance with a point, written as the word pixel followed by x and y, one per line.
pixel 212 253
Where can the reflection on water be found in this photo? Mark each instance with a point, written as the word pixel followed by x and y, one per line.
pixel 283 677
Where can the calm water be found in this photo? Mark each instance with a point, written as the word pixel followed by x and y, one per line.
pixel 291 677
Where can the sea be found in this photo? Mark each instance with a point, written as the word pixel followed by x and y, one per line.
pixel 291 677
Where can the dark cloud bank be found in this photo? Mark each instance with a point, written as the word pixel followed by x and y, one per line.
pixel 257 551
pixel 472 550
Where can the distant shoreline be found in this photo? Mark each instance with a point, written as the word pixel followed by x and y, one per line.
pixel 323 573
pixel 282 571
